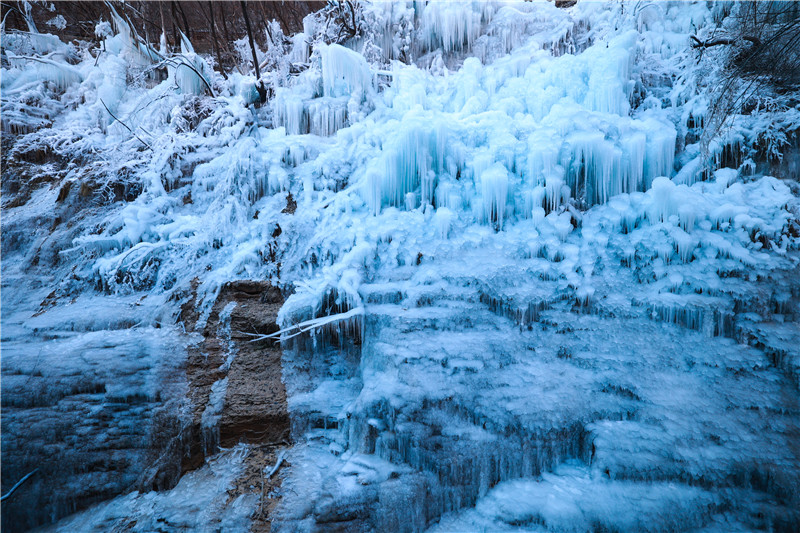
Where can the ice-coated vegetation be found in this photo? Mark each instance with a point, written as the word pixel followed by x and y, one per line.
pixel 535 281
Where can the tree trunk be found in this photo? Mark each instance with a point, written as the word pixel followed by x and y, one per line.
pixel 262 92
pixel 214 39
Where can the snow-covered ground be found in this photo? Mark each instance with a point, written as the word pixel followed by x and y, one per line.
pixel 528 290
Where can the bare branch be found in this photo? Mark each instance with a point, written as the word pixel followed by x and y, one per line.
pixel 722 41
pixel 19 483
pixel 308 325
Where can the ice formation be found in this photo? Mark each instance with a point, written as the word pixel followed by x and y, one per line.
pixel 520 294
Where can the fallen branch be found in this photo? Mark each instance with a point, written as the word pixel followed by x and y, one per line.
pixel 308 325
pixel 18 485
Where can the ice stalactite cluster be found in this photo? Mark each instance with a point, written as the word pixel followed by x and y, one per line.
pixel 452 25
pixel 321 104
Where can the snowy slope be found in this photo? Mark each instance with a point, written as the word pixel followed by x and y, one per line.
pixel 524 295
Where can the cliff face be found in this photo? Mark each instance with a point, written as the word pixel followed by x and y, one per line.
pixel 103 407
pixel 237 393
pixel 96 409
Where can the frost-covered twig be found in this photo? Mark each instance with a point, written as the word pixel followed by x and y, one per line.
pixel 278 463
pixel 697 43
pixel 185 63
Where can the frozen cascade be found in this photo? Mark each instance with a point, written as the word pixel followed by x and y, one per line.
pixel 510 304
pixel 465 447
pixel 452 25
pixel 318 116
pixel 412 162
pixel 327 116
pixel 290 112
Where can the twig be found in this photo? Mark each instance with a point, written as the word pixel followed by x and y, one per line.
pixel 716 42
pixel 354 29
pixel 126 126
pixel 185 62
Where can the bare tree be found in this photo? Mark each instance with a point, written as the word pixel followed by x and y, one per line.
pixel 262 92
pixel 761 63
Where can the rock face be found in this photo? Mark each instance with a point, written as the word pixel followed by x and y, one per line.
pixel 236 389
pixel 93 386
pixel 101 408
pixel 96 410
pixel 234 383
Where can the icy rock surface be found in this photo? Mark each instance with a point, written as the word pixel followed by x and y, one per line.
pixel 90 403
pixel 199 502
pixel 517 299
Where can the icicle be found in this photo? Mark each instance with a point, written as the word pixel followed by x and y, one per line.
pixel 662 204
pixel 344 71
pixel 374 189
pixel 447 195
pixel 326 116
pixel 191 71
pixel 450 25
pixel 300 49
pixel 542 156
pixel 687 214
pixel 608 87
pixel 590 164
pixel 684 244
pixel 748 168
pixel 660 152
pixel 443 191
pixel 411 201
pixel 289 111
pixel 533 200
pixel 494 189
pixel 277 179
pixel 414 162
pixel 443 218
pixel 634 148
pixel 552 192
pixel 537 215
